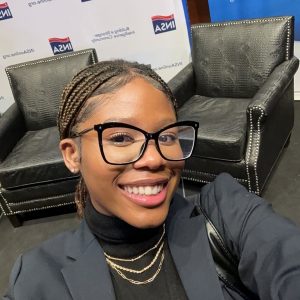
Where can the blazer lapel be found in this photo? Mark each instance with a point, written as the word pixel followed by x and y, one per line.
pixel 190 250
pixel 87 276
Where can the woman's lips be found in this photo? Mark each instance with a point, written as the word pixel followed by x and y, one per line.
pixel 146 195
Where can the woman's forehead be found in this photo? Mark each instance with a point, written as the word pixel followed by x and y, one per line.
pixel 137 100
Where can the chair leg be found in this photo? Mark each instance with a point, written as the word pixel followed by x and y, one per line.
pixel 15 220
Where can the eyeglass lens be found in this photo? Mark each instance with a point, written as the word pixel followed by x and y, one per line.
pixel 123 145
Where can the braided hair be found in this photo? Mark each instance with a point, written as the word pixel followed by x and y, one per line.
pixel 99 79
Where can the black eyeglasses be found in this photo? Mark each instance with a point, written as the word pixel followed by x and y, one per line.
pixel 122 144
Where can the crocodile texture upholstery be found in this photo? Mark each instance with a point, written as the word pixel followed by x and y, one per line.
pixel 243 55
pixel 40 111
pixel 33 176
pixel 239 87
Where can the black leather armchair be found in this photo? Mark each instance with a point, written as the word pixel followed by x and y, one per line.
pixel 33 176
pixel 240 88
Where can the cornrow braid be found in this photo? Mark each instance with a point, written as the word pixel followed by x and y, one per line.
pixel 101 78
pixel 78 91
pixel 81 195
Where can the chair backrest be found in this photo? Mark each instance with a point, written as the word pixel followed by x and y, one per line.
pixel 233 59
pixel 37 85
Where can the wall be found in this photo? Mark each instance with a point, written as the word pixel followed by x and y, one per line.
pixel 152 32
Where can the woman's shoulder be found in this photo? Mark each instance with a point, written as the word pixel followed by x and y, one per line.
pixel 232 208
pixel 223 196
pixel 226 194
pixel 52 254
pixel 37 266
pixel 48 252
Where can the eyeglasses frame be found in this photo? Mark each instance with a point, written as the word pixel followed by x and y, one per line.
pixel 148 136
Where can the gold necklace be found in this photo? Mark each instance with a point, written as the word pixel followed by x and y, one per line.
pixel 118 268
pixel 147 280
pixel 141 255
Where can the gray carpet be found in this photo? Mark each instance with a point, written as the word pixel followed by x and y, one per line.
pixel 283 191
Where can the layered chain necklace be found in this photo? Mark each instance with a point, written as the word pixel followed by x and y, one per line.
pixel 122 270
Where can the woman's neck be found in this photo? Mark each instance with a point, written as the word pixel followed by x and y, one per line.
pixel 112 231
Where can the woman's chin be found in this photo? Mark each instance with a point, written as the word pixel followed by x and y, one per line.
pixel 152 219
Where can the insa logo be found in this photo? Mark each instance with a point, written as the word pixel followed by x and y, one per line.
pixel 5 12
pixel 163 23
pixel 60 45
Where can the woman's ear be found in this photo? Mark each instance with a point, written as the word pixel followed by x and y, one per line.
pixel 71 154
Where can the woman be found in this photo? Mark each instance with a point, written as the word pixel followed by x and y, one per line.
pixel 138 239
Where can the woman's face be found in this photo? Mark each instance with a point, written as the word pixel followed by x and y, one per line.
pixel 118 190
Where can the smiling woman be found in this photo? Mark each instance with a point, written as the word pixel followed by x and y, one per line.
pixel 139 239
pixel 127 94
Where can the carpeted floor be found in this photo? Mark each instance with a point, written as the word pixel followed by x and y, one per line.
pixel 283 191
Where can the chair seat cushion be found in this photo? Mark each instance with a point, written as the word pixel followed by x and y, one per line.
pixel 36 159
pixel 222 126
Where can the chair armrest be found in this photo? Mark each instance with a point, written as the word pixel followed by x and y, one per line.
pixel 12 128
pixel 267 96
pixel 183 85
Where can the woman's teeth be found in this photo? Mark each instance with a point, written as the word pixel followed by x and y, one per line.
pixel 144 190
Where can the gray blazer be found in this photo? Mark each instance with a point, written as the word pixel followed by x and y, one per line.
pixel 72 265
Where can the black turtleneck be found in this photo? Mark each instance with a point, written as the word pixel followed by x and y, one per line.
pixel 119 239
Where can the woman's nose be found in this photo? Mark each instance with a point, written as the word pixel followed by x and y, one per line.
pixel 151 158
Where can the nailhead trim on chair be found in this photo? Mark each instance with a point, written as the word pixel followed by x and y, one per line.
pixel 257 144
pixel 47 60
pixel 32 209
pixel 40 208
pixel 205 173
pixel 8 207
pixel 38 200
pixel 2 209
pixel 194 179
pixel 256 149
pixel 248 152
pixel 288 42
pixel 287 48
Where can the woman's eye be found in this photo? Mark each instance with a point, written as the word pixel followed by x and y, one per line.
pixel 121 139
pixel 167 138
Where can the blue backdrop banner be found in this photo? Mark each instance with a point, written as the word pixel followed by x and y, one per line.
pixel 225 10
